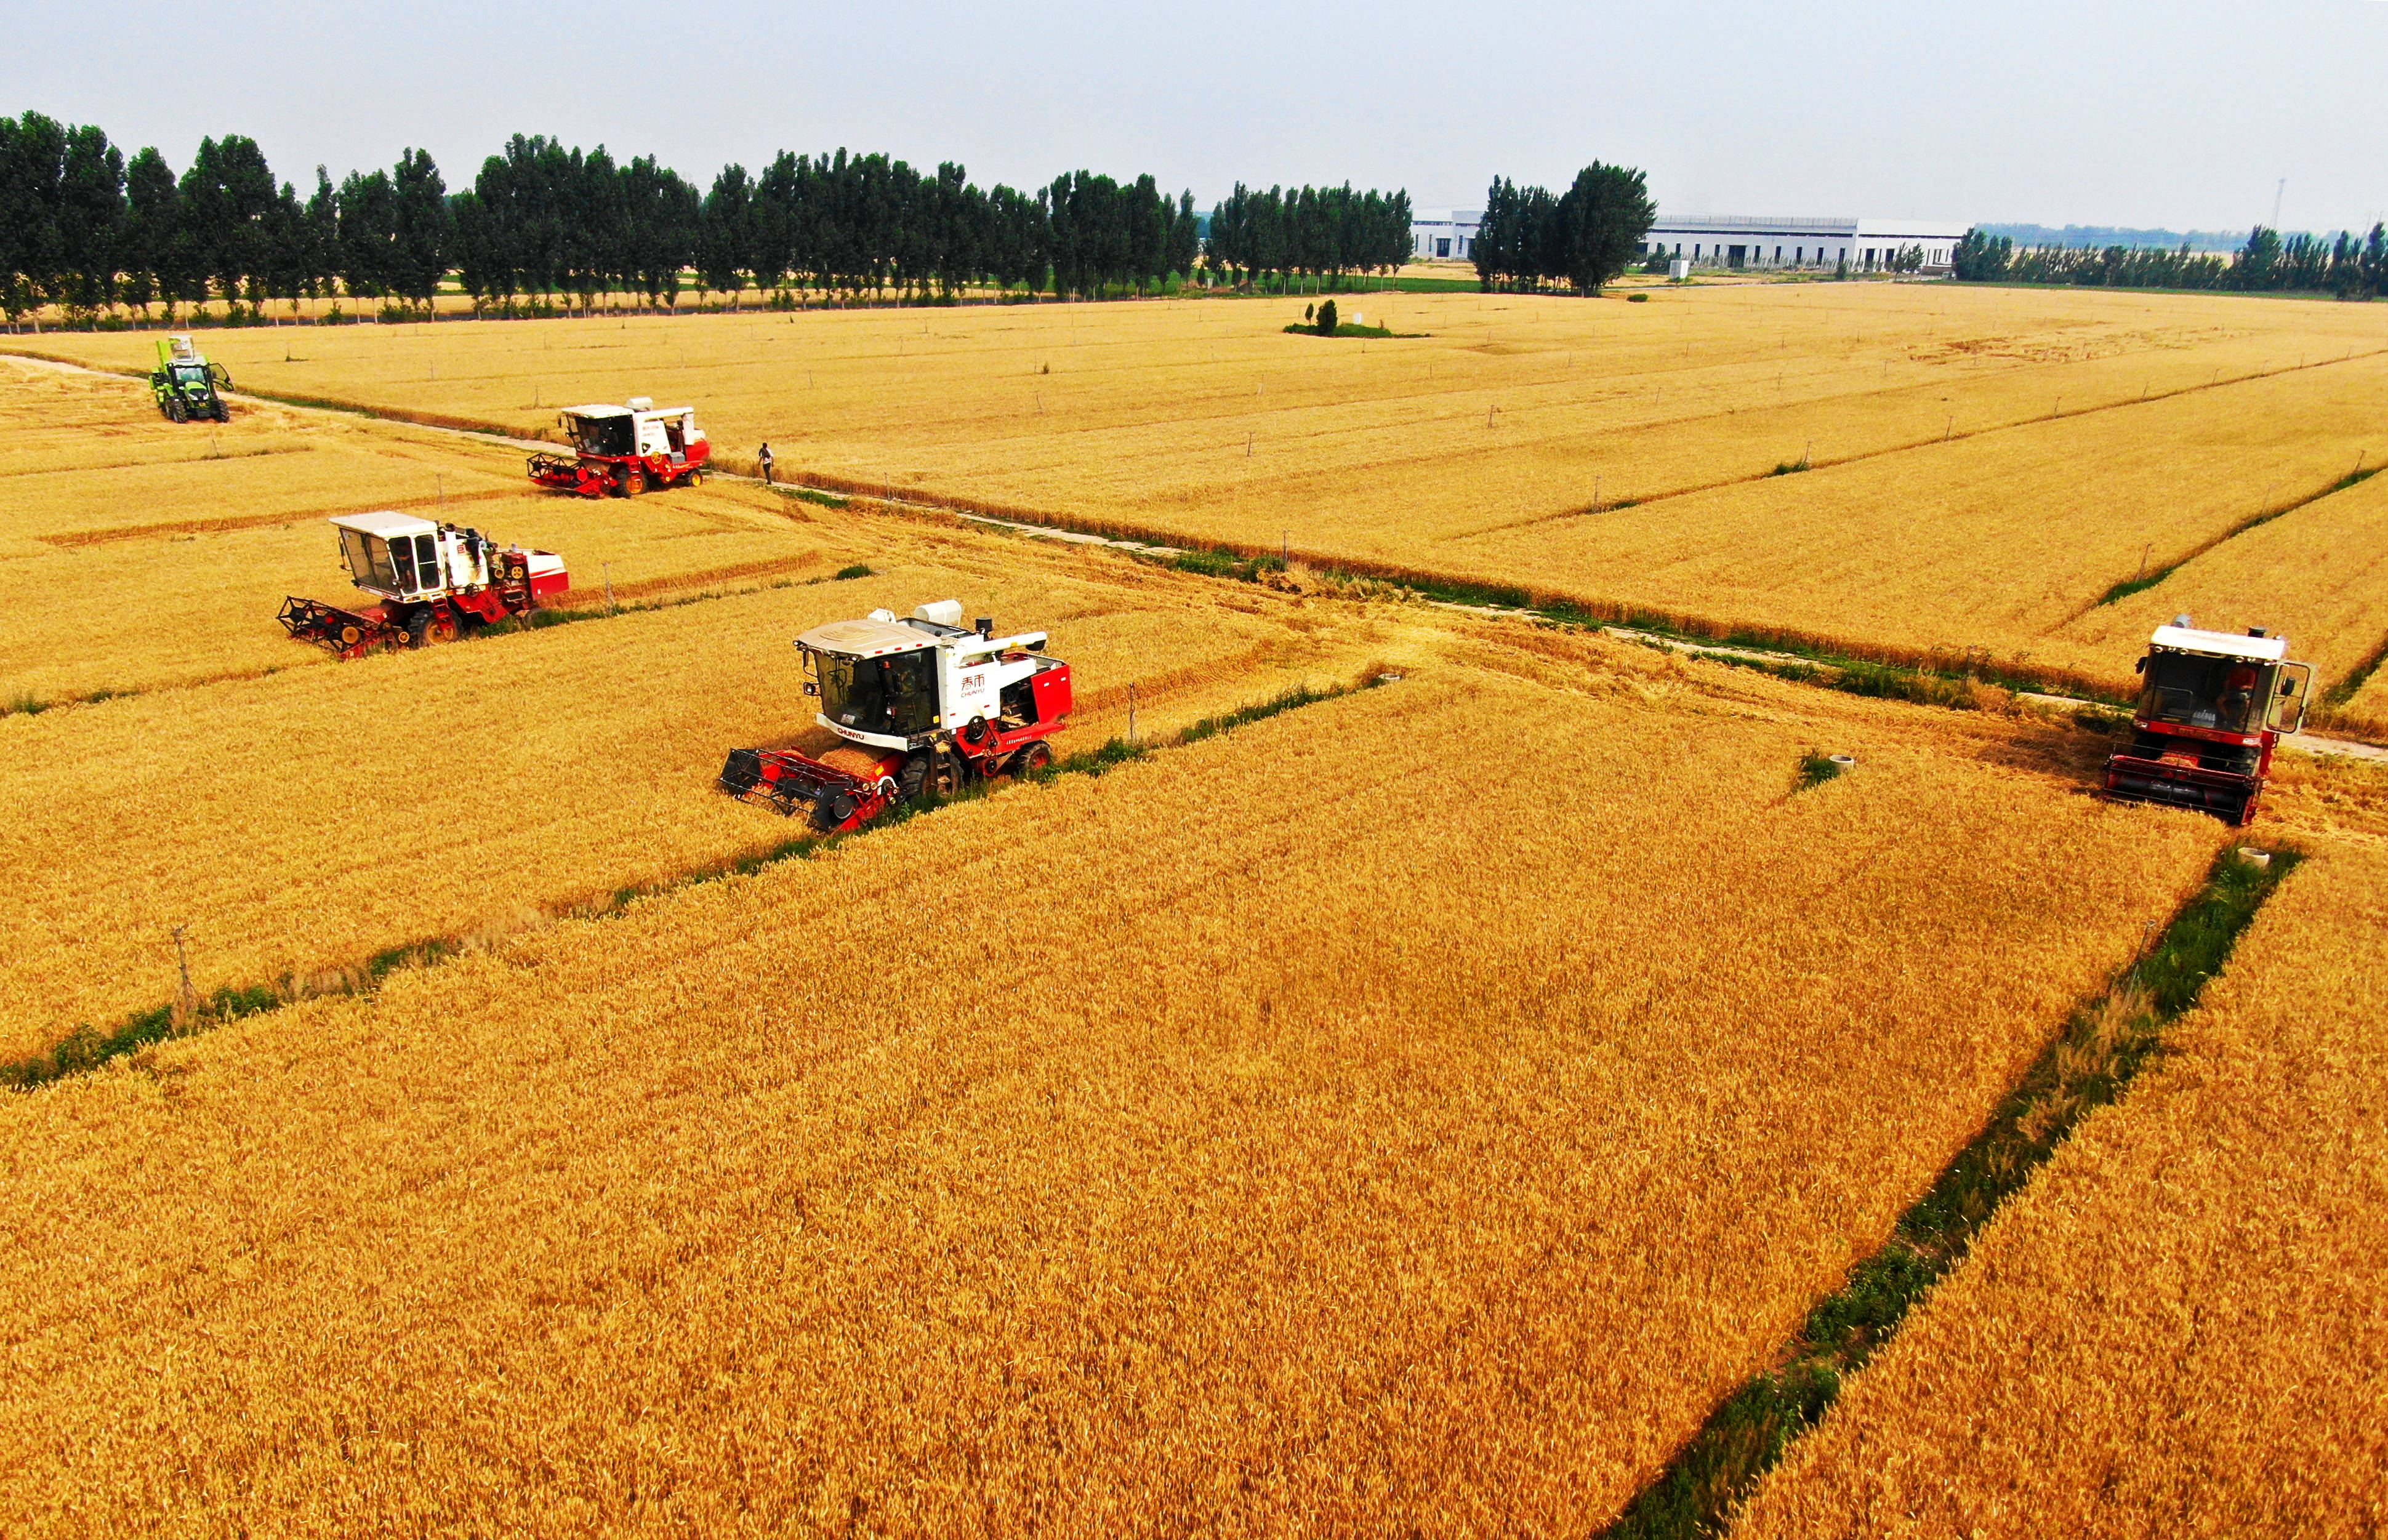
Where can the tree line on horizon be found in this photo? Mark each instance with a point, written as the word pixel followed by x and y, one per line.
pixel 86 229
pixel 1584 238
pixel 2349 266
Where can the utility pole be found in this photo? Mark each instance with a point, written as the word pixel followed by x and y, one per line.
pixel 2278 193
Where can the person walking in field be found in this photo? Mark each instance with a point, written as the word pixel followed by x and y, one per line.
pixel 764 459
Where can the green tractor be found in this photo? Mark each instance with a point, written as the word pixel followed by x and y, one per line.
pixel 187 384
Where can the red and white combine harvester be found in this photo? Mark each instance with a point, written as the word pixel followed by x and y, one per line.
pixel 922 705
pixel 625 450
pixel 431 581
pixel 2212 704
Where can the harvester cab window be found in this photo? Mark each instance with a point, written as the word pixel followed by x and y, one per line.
pixel 602 436
pixel 2227 694
pixel 369 562
pixel 894 695
pixel 678 442
pixel 401 555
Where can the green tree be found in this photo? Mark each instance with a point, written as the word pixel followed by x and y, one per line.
pixel 1327 318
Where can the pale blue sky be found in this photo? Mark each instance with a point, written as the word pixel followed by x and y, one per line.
pixel 2048 110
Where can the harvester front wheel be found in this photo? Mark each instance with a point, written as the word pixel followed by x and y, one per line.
pixel 634 481
pixel 176 410
pixel 427 629
pixel 933 773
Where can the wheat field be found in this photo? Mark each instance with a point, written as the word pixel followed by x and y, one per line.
pixel 2082 432
pixel 1244 1140
pixel 2176 1329
pixel 341 811
pixel 137 554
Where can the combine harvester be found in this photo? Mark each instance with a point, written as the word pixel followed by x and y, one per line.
pixel 625 450
pixel 922 705
pixel 432 581
pixel 2212 706
pixel 185 383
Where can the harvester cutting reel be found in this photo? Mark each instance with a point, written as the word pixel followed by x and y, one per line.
pixel 344 633
pixel 833 799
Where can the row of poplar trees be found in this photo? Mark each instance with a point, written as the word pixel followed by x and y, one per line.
pixel 84 229
pixel 1313 232
pixel 2351 266
pixel 1583 238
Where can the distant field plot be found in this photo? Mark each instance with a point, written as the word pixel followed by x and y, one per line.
pixel 1465 451
pixel 1243 1141
pixel 2006 542
pixel 2176 1328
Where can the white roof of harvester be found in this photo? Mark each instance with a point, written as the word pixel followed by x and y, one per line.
pixel 606 408
pixel 865 638
pixel 2221 644
pixel 387 523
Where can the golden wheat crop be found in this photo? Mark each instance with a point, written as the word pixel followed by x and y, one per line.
pixel 2317 573
pixel 1472 451
pixel 1998 543
pixel 1371 1120
pixel 2176 1329
pixel 302 823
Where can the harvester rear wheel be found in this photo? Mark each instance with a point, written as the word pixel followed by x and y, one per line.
pixel 1035 757
pixel 695 478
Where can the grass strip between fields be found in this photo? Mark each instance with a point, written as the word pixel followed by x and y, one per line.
pixel 2100 1050
pixel 87 1047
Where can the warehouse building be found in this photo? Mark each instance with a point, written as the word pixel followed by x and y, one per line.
pixel 1766 241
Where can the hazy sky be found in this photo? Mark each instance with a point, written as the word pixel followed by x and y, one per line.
pixel 2055 111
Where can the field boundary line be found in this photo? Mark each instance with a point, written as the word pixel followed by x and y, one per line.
pixel 88 1048
pixel 2088 1063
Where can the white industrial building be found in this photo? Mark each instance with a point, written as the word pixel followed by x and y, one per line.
pixel 1765 241
pixel 1445 233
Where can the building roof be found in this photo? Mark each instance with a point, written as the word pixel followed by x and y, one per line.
pixel 387 523
pixel 2221 644
pixel 1852 226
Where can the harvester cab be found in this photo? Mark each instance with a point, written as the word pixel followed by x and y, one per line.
pixel 923 705
pixel 625 450
pixel 429 582
pixel 186 384
pixel 2212 705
